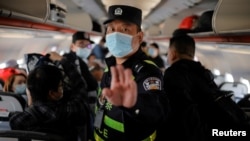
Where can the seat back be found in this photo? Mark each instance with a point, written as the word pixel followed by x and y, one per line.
pixel 9 102
pixel 12 102
pixel 239 89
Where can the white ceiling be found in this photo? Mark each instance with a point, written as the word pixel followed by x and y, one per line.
pixel 155 12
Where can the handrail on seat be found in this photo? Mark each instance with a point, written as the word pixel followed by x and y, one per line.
pixel 29 135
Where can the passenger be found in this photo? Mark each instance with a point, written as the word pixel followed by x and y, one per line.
pixel 129 106
pixel 5 73
pixel 79 51
pixel 47 111
pixel 154 53
pixel 97 71
pixel 184 121
pixel 16 83
pixel 100 50
pixel 144 47
pixel 11 64
pixel 92 61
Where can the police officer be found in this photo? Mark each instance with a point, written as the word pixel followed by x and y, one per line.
pixel 129 105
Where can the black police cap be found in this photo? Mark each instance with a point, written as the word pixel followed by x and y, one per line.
pixel 124 12
pixel 80 35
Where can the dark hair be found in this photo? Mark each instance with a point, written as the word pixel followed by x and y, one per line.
pixel 155 45
pixel 43 79
pixel 143 44
pixel 183 44
pixel 180 32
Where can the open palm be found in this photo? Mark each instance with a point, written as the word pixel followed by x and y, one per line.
pixel 123 89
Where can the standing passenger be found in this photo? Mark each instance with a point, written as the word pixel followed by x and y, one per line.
pixel 79 51
pixel 129 106
pixel 184 119
pixel 154 53
pixel 100 50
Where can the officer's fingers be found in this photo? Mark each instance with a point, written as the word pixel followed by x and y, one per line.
pixel 107 93
pixel 114 74
pixel 128 76
pixel 112 97
pixel 120 71
pixel 130 98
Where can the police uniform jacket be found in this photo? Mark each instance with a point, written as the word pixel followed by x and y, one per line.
pixel 139 122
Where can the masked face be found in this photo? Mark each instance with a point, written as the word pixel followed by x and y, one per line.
pixel 83 52
pixel 152 52
pixel 20 88
pixel 119 44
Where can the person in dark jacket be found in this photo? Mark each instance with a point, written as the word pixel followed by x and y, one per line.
pixel 184 120
pixel 130 107
pixel 154 53
pixel 79 51
pixel 47 110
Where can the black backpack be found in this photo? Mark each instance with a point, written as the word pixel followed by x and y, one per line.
pixel 217 109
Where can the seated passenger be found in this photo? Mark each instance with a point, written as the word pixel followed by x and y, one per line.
pixel 47 110
pixel 16 83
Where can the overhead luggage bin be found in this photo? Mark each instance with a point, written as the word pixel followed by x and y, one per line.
pixel 231 16
pixel 79 21
pixel 153 31
pixel 40 14
pixel 32 10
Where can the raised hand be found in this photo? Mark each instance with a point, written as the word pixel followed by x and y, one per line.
pixel 54 56
pixel 123 89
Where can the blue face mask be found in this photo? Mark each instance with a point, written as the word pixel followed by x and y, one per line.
pixel 152 52
pixel 20 89
pixel 119 44
pixel 83 52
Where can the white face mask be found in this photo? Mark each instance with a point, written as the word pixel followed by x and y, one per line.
pixel 83 52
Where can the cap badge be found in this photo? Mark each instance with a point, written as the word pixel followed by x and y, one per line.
pixel 118 11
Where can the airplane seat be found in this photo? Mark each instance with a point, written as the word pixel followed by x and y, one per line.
pixel 219 79
pixel 9 102
pixel 20 135
pixel 239 89
pixel 12 102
